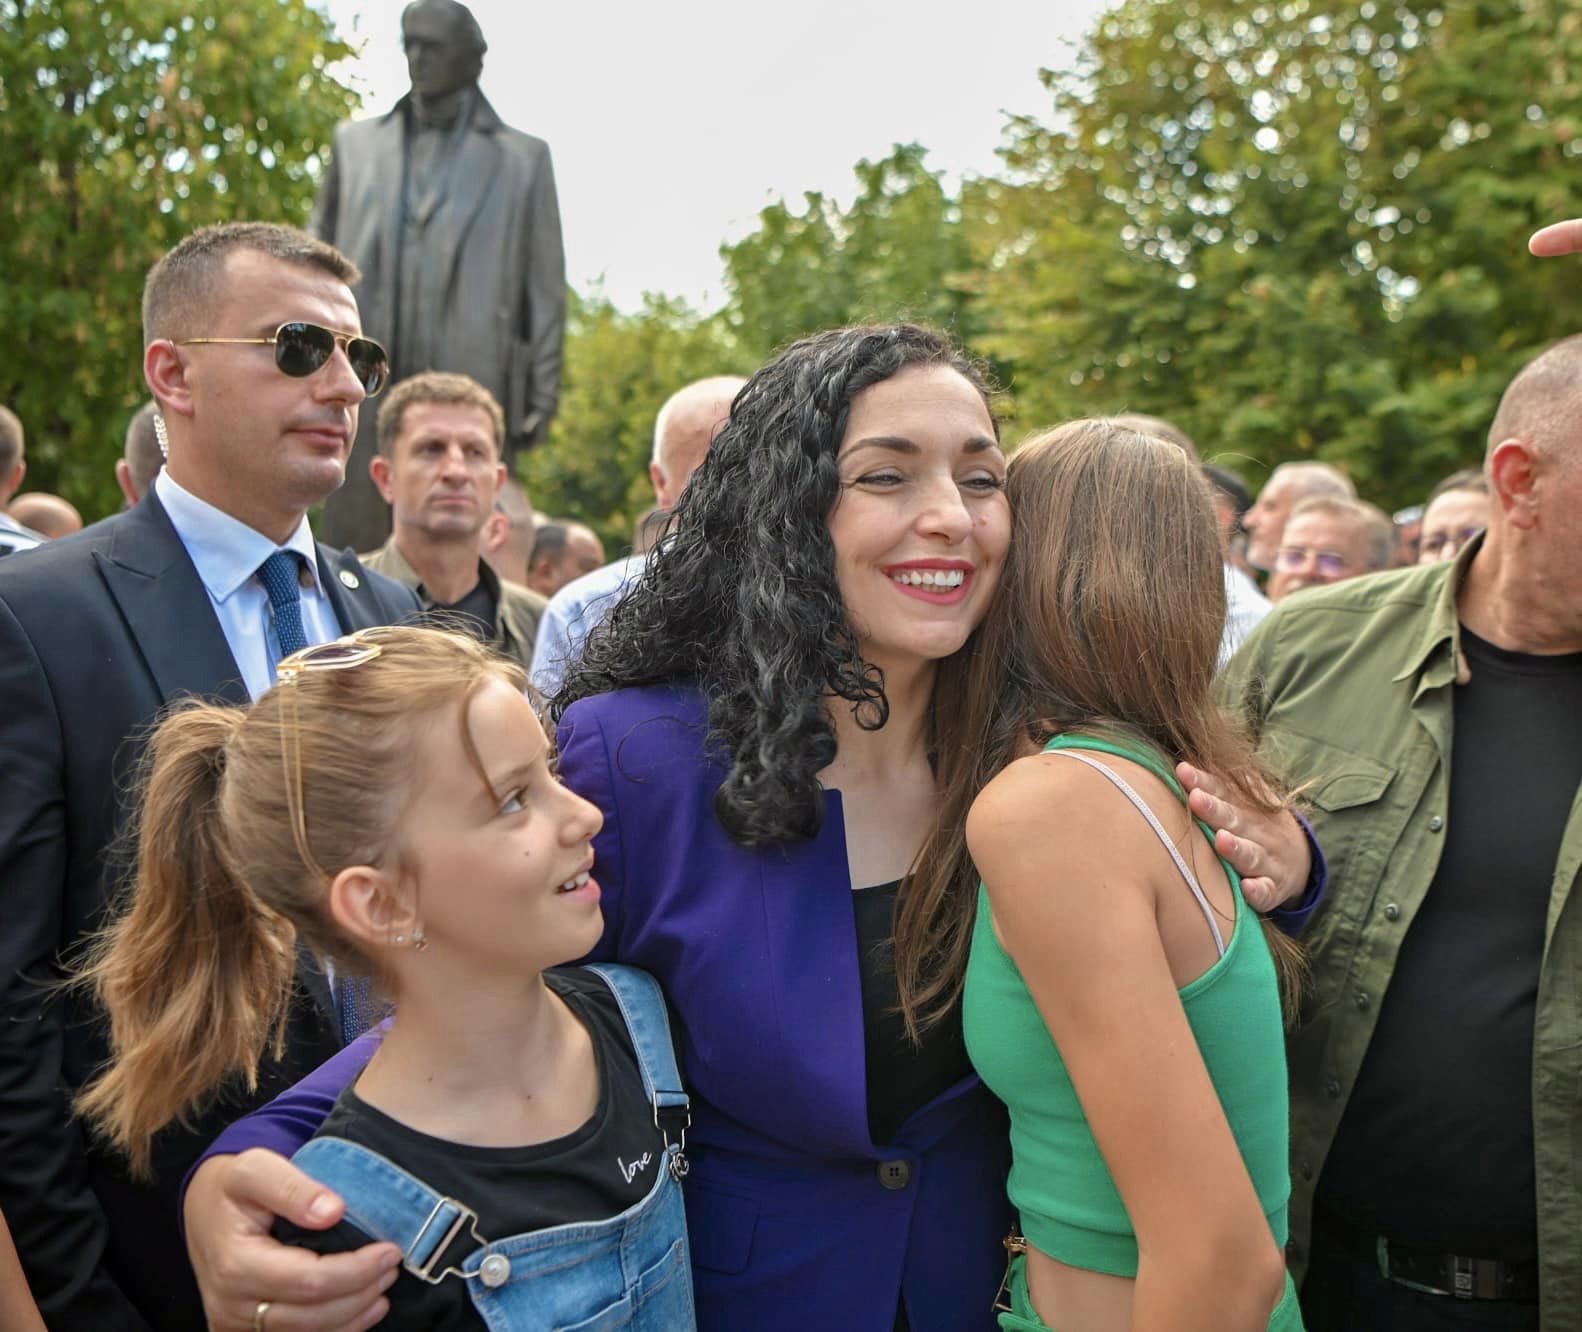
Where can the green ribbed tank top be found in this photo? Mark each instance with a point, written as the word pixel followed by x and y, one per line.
pixel 1069 1205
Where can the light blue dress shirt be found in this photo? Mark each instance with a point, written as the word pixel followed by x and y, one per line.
pixel 226 553
pixel 571 615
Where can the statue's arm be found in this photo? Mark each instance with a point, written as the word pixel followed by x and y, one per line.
pixel 544 299
pixel 327 207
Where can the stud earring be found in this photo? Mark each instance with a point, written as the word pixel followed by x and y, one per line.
pixel 419 940
pixel 400 939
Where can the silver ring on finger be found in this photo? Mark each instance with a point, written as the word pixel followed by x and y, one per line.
pixel 259 1315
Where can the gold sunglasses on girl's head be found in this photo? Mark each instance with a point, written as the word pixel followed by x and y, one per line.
pixel 338 654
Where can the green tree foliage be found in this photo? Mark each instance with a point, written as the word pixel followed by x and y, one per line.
pixel 1296 227
pixel 619 369
pixel 125 124
pixel 898 252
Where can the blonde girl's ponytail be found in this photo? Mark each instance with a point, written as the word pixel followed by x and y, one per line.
pixel 247 816
pixel 196 973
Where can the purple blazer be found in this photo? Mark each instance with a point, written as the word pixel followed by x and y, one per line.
pixel 797 1219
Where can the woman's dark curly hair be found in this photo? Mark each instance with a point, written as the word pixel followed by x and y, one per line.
pixel 741 598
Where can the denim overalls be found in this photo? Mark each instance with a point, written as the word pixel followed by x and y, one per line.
pixel 631 1271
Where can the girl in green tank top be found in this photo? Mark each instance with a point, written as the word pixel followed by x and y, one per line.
pixel 1118 993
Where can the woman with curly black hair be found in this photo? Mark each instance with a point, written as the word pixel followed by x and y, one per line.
pixel 746 601
pixel 761 705
pixel 755 720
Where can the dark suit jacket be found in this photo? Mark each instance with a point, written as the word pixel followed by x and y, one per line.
pixel 503 320
pixel 98 632
pixel 496 248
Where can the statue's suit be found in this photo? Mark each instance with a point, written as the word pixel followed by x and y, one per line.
pixel 497 238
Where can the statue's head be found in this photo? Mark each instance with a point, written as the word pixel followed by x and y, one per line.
pixel 444 47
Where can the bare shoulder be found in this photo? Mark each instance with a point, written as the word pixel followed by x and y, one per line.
pixel 1031 790
pixel 1053 812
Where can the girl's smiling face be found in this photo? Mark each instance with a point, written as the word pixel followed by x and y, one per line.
pixel 502 869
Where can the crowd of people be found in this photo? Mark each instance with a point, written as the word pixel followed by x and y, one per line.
pixel 921 869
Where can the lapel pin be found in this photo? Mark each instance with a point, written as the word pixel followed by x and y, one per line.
pixel 349 579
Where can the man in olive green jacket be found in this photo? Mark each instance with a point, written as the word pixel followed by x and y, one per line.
pixel 1436 1072
pixel 517 609
pixel 439 468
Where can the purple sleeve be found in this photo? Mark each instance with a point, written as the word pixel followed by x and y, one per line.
pixel 296 1114
pixel 1293 919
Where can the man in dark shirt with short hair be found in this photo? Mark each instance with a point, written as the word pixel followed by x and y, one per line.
pixel 439 469
pixel 1436 1091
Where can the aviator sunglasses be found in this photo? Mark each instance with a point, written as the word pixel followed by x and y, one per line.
pixel 302 349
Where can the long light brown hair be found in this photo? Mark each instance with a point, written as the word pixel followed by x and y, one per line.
pixel 245 818
pixel 1107 620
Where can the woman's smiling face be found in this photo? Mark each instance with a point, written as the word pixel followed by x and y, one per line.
pixel 922 525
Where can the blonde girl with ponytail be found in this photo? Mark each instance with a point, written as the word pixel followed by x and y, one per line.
pixel 391 805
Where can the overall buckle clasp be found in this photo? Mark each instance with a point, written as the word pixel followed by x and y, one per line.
pixel 465 1219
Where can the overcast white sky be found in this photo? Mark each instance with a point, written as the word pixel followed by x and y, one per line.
pixel 672 124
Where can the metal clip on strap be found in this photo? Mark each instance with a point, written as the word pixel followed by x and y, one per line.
pixel 673 1117
pixel 434 1238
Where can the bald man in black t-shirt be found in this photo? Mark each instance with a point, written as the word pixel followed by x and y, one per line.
pixel 1436 716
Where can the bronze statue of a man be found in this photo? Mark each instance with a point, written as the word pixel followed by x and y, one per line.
pixel 452 217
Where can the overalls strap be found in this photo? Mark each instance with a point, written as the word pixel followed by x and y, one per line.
pixel 642 1004
pixel 428 1227
pixel 438 1236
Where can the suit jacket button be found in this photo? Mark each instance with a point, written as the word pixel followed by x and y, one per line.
pixel 495 1270
pixel 895 1174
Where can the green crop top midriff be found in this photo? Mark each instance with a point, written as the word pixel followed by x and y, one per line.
pixel 1069 1205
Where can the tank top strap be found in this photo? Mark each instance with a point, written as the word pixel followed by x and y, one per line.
pixel 1073 747
pixel 1145 755
pixel 1140 753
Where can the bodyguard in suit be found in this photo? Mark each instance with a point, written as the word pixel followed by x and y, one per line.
pixel 253 352
pixel 452 217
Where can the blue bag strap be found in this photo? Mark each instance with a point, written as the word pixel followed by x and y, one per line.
pixel 387 1202
pixel 642 1005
